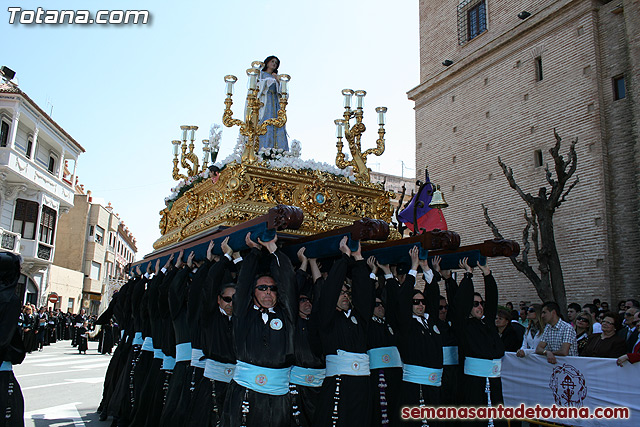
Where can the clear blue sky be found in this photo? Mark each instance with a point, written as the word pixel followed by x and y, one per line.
pixel 123 91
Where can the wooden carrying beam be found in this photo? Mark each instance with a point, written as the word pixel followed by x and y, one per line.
pixel 278 218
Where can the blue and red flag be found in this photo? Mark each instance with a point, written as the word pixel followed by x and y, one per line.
pixel 427 218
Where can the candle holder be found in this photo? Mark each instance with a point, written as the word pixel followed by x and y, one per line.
pixel 188 160
pixel 250 127
pixel 353 134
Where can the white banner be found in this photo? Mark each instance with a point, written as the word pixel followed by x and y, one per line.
pixel 578 382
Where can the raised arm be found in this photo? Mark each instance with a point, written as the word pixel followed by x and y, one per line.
pixel 463 300
pixel 363 292
pixel 332 286
pixel 244 291
pixel 431 291
pixel 490 293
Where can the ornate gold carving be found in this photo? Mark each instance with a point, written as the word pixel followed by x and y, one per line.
pixel 244 192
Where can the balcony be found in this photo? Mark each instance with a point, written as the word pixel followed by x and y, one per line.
pixel 9 240
pixel 32 173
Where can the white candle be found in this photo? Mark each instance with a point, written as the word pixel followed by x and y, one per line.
pixel 230 80
pixel 339 128
pixel 284 84
pixel 348 93
pixel 381 115
pixel 184 132
pixel 176 145
pixel 253 78
pixel 360 99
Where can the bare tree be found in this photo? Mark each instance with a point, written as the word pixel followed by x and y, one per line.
pixel 549 283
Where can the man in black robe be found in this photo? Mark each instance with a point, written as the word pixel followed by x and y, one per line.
pixel 216 312
pixel 12 350
pixel 384 358
pixel 263 327
pixel 308 370
pixel 479 340
pixel 420 342
pixel 344 320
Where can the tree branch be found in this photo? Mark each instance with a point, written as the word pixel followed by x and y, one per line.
pixel 548 175
pixel 492 226
pixel 525 240
pixel 508 173
pixel 533 223
pixel 522 266
pixel 564 196
pixel 562 173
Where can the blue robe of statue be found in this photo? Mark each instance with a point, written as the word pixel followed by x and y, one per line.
pixel 269 95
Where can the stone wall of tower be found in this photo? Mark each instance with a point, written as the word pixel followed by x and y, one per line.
pixel 490 103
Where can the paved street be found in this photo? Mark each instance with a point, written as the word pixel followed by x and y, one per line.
pixel 62 387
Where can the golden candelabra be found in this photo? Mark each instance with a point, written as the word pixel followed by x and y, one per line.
pixel 188 160
pixel 353 134
pixel 250 127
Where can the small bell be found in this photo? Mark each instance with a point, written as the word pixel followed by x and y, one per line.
pixel 437 200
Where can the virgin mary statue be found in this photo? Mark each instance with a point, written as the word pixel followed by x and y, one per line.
pixel 269 95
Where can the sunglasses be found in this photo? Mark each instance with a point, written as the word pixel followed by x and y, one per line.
pixel 263 288
pixel 581 319
pixel 629 314
pixel 444 307
pixel 304 299
pixel 477 303
pixel 226 299
pixel 378 304
pixel 418 301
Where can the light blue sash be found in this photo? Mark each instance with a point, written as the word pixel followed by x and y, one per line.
pixel 346 363
pixel 196 354
pixel 217 371
pixel 6 366
pixel 168 363
pixel 384 357
pixel 307 377
pixel 262 380
pixel 147 345
pixel 183 352
pixel 137 339
pixel 422 375
pixel 450 355
pixel 157 353
pixel 482 367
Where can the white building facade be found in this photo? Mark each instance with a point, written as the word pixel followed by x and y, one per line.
pixel 36 185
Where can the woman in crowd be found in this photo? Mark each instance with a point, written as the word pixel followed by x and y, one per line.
pixel 506 331
pixel 584 329
pixel 607 343
pixel 534 331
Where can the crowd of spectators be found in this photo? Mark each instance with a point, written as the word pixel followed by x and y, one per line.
pixel 590 330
